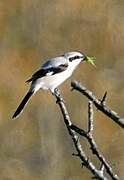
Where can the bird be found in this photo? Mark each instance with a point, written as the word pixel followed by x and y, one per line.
pixel 51 74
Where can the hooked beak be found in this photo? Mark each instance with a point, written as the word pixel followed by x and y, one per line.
pixel 91 60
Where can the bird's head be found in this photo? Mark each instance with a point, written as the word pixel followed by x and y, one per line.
pixel 77 57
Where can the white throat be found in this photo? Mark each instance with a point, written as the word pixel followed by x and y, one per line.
pixel 74 64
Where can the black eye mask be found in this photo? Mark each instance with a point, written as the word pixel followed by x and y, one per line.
pixel 74 58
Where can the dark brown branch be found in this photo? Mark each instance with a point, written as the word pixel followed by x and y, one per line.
pixel 99 105
pixel 95 150
pixel 89 136
pixel 80 153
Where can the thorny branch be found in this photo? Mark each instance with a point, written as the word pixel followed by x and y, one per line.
pixel 100 104
pixel 73 130
pixel 89 136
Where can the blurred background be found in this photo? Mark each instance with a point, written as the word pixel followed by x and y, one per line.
pixel 37 145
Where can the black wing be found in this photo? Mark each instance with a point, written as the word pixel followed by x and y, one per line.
pixel 48 72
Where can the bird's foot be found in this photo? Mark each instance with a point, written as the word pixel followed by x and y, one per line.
pixel 58 95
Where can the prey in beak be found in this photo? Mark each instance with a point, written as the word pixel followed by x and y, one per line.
pixel 91 60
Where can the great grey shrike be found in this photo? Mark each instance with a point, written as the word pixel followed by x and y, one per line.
pixel 51 74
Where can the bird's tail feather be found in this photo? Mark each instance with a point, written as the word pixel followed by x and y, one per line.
pixel 22 104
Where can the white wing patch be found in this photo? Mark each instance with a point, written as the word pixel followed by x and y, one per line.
pixel 49 73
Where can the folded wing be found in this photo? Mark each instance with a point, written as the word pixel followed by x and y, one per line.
pixel 47 72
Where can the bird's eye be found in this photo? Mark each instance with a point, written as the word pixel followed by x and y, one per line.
pixel 77 57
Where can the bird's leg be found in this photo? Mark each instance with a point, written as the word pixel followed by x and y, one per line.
pixel 58 95
pixel 57 91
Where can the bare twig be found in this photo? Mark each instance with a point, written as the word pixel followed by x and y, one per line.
pixel 103 100
pixel 89 136
pixel 90 117
pixel 95 150
pixel 80 152
pixel 100 105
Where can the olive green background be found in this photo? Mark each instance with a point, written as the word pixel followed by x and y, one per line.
pixel 36 145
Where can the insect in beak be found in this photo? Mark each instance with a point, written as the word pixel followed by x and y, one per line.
pixel 91 60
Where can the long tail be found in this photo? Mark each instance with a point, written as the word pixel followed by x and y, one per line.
pixel 22 104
